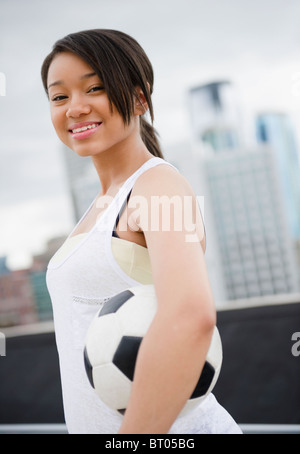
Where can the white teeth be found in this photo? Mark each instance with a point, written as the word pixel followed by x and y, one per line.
pixel 84 128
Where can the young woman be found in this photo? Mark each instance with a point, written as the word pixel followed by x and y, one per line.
pixel 99 84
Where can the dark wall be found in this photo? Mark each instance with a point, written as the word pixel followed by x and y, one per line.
pixel 259 382
pixel 260 379
pixel 30 390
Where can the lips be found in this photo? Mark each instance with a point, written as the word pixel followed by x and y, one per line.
pixel 84 130
pixel 81 127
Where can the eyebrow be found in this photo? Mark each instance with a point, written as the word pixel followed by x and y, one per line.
pixel 61 82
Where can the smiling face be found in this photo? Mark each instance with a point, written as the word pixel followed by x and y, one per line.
pixel 81 112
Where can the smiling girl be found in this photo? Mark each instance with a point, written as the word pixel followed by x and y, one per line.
pixel 99 84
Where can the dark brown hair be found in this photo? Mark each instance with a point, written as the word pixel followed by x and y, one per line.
pixel 122 66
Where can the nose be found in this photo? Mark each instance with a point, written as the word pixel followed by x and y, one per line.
pixel 77 107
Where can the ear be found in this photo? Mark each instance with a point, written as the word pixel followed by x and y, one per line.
pixel 140 103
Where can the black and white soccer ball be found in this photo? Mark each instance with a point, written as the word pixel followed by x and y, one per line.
pixel 112 345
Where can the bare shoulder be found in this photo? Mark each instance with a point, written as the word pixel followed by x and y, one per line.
pixel 165 186
pixel 162 179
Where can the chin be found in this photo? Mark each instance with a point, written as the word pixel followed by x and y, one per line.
pixel 82 153
pixel 80 150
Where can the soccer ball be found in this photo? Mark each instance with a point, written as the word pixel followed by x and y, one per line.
pixel 112 345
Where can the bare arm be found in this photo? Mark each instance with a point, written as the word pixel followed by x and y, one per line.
pixel 173 351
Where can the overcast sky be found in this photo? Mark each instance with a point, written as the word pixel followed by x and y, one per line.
pixel 254 43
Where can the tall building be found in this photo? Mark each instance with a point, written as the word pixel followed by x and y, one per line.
pixel 83 181
pixel 3 266
pixel 215 116
pixel 41 295
pixel 17 303
pixel 254 196
pixel 257 252
pixel 276 129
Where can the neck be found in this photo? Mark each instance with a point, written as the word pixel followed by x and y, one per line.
pixel 115 165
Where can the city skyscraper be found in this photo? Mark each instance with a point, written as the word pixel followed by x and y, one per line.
pixel 3 266
pixel 215 116
pixel 254 195
pixel 83 181
pixel 276 129
pixel 257 252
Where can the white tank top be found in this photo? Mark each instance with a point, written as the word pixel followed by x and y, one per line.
pixel 79 283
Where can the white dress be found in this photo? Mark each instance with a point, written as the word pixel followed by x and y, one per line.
pixel 79 282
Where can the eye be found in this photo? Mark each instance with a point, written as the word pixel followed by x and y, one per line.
pixel 58 98
pixel 96 88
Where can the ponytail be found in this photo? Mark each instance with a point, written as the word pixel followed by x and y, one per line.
pixel 150 138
